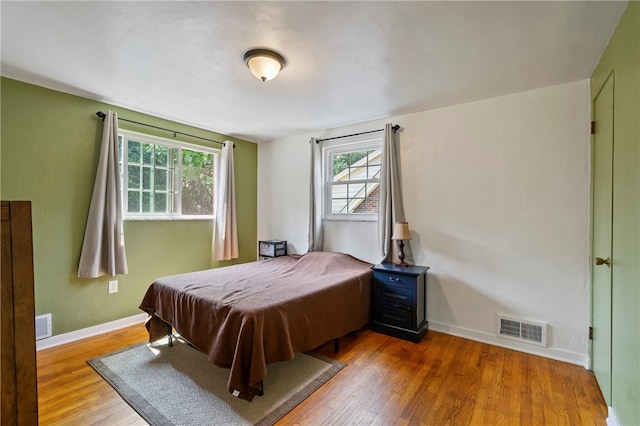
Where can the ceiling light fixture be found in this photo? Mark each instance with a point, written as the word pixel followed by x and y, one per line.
pixel 264 64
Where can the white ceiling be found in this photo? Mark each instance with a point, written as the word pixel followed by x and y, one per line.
pixel 347 62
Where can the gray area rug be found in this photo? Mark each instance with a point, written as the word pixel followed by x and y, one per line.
pixel 179 386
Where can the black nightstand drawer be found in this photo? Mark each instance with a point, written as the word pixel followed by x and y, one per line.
pixel 395 280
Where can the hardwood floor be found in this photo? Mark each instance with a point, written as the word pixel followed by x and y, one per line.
pixel 443 380
pixel 70 392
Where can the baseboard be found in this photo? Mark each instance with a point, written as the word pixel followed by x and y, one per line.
pixel 612 420
pixel 492 339
pixel 560 355
pixel 72 336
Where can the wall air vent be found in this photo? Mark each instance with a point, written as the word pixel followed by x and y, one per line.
pixel 43 326
pixel 524 331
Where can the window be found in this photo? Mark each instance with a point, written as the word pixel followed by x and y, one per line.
pixel 352 180
pixel 166 179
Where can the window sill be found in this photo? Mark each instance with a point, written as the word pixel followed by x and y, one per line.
pixel 166 218
pixel 350 219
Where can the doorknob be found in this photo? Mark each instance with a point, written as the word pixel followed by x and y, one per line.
pixel 601 261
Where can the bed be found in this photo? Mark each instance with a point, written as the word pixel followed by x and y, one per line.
pixel 246 316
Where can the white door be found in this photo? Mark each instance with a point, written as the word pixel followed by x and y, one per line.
pixel 602 238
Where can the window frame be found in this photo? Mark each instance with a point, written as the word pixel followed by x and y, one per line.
pixel 330 148
pixel 172 144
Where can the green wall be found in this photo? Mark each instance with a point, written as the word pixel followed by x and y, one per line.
pixel 622 57
pixel 49 155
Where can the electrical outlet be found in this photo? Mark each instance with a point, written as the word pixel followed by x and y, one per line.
pixel 113 286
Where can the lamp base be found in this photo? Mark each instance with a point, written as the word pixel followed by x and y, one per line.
pixel 401 261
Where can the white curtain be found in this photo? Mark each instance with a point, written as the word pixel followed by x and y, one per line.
pixel 103 250
pixel 315 198
pixel 225 233
pixel 390 209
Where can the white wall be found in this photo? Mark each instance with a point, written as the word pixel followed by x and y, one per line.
pixel 497 197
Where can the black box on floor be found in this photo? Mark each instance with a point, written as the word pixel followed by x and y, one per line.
pixel 272 248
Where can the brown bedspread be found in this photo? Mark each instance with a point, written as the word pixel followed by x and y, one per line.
pixel 246 316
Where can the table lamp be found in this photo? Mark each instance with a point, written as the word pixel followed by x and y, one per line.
pixel 401 233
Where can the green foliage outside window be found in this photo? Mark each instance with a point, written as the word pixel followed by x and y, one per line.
pixel 197 182
pixel 342 161
pixel 152 179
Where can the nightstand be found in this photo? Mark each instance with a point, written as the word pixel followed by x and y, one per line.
pixel 400 301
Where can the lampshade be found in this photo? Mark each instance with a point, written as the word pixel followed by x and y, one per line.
pixel 264 64
pixel 401 231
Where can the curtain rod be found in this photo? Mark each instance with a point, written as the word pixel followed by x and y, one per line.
pixel 395 129
pixel 175 132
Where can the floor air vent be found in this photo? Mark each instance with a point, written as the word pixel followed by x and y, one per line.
pixel 528 332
